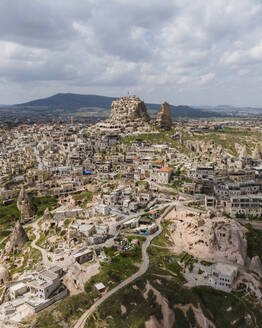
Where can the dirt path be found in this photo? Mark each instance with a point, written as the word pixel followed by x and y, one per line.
pixel 143 268
pixel 33 244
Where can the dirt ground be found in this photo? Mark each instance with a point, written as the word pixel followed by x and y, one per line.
pixel 77 276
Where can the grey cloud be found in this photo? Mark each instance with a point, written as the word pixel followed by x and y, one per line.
pixel 182 50
pixel 36 23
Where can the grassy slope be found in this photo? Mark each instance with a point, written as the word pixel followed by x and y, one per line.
pixel 41 203
pixel 254 242
pixel 227 138
pixel 84 198
pixel 223 309
pixel 9 214
pixel 69 309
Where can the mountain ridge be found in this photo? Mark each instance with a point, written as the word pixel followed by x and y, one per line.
pixel 71 102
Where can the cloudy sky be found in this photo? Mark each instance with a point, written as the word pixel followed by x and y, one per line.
pixel 192 52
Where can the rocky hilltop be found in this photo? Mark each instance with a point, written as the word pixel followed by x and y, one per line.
pixel 128 114
pixel 129 108
pixel 163 119
pixel 217 240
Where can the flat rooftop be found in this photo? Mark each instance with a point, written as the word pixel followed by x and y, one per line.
pixel 225 269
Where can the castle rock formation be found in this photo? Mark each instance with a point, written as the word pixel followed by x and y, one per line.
pixel 128 114
pixel 129 108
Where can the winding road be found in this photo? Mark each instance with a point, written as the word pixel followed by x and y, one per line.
pixel 33 244
pixel 143 268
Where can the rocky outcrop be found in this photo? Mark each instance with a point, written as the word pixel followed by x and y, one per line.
pixel 243 152
pixel 17 240
pixel 3 274
pixel 129 108
pixel 255 265
pixel 128 115
pixel 163 119
pixel 47 221
pixel 47 215
pixel 249 283
pixel 256 154
pixel 205 148
pixel 24 204
pixel 216 240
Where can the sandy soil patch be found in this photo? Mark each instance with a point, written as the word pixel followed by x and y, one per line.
pixel 123 309
pixel 167 277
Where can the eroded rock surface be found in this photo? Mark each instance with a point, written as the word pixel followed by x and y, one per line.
pixel 255 265
pixel 17 240
pixel 128 114
pixel 128 108
pixel 24 204
pixel 217 239
pixel 256 154
pixel 163 119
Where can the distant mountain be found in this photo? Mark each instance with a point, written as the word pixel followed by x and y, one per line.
pixel 73 103
pixel 229 110
pixel 70 101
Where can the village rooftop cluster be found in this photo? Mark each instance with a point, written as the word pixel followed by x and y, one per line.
pixel 77 190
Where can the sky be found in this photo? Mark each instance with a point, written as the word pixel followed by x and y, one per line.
pixel 191 52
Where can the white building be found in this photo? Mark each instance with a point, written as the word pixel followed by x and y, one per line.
pixel 245 206
pixel 223 276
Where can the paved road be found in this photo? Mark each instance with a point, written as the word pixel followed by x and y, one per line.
pixel 143 268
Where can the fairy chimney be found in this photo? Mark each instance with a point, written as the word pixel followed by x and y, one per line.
pixel 163 119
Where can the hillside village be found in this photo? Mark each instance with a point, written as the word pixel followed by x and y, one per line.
pixel 75 198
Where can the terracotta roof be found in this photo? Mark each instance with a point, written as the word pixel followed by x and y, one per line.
pixel 165 169
pixel 158 161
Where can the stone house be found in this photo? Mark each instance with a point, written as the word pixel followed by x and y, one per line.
pixel 164 175
pixel 83 255
pixel 46 283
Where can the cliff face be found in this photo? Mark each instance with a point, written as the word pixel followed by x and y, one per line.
pixel 128 109
pixel 163 119
pixel 25 205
